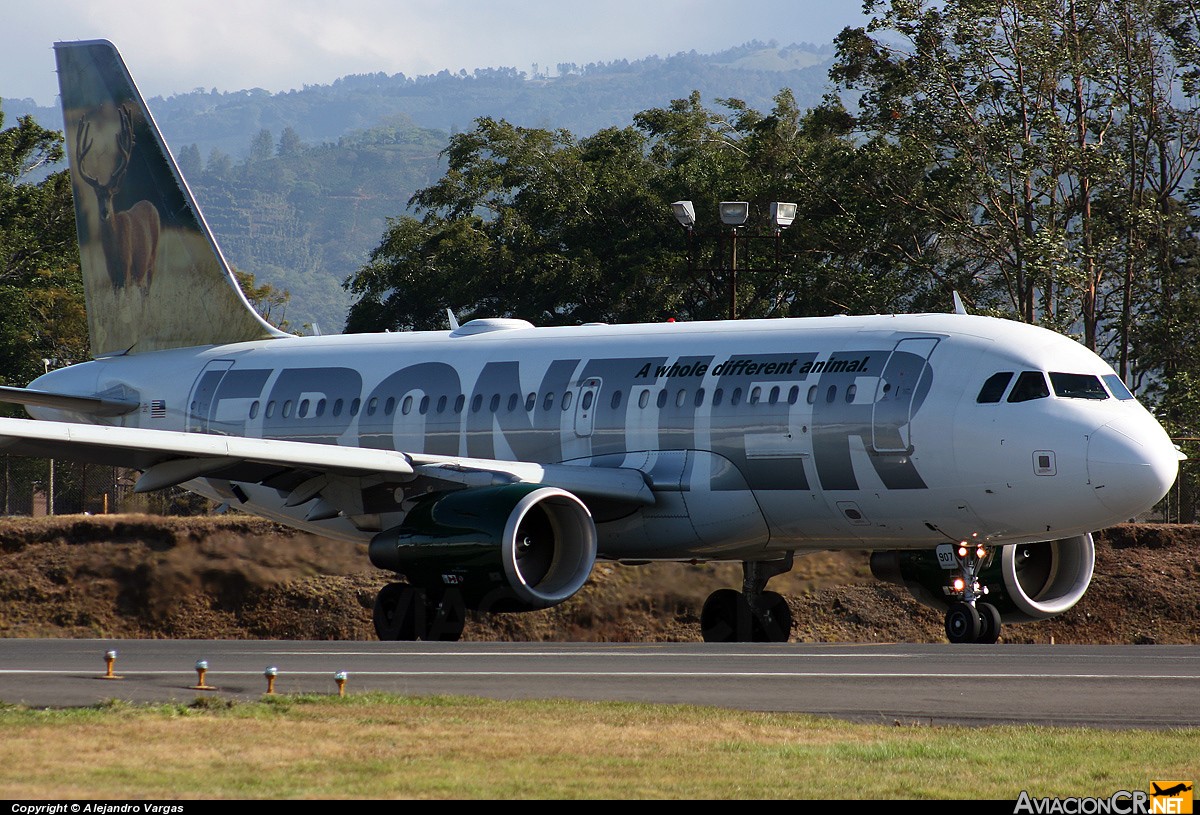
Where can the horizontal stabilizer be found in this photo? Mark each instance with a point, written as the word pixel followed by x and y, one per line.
pixel 91 405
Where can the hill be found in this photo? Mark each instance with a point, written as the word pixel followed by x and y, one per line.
pixel 234 577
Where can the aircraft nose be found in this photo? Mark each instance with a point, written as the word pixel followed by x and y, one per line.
pixel 1131 466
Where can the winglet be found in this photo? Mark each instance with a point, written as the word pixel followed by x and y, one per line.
pixel 959 308
pixel 153 275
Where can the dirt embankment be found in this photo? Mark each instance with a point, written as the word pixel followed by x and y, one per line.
pixel 228 577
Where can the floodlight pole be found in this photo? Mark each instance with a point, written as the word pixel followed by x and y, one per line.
pixel 733 274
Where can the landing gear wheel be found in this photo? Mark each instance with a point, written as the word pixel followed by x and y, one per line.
pixel 445 617
pixel 773 623
pixel 725 617
pixel 989 623
pixel 395 612
pixel 962 623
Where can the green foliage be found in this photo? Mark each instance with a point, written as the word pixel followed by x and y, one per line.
pixel 41 296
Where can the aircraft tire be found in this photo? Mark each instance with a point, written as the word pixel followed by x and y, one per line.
pixel 989 623
pixel 445 617
pixel 773 623
pixel 726 617
pixel 962 623
pixel 395 613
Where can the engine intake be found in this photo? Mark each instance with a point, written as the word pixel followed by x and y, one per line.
pixel 1025 581
pixel 516 547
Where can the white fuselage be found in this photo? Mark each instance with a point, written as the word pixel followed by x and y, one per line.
pixel 755 436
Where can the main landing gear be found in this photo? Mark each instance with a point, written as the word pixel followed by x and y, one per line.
pixel 406 612
pixel 752 614
pixel 970 619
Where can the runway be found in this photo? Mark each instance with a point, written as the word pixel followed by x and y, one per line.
pixel 1145 686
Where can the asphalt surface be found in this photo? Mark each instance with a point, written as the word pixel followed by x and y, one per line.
pixel 1144 686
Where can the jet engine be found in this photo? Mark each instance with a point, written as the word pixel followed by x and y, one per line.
pixel 515 547
pixel 1024 581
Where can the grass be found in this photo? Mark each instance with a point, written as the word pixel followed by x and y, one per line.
pixel 376 746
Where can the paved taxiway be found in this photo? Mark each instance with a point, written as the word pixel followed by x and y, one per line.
pixel 1148 686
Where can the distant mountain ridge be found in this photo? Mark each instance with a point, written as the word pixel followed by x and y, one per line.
pixel 582 99
pixel 308 217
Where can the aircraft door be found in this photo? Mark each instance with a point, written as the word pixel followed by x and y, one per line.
pixel 895 392
pixel 585 410
pixel 200 404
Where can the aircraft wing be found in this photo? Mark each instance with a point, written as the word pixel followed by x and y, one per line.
pixel 167 458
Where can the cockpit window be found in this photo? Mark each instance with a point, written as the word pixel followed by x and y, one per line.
pixel 1030 385
pixel 1077 386
pixel 1117 386
pixel 993 389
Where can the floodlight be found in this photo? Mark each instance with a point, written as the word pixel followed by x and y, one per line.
pixel 685 213
pixel 734 213
pixel 782 214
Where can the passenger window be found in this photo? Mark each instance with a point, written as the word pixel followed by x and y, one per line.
pixel 287 409
pixel 587 401
pixel 680 397
pixel 1030 385
pixel 812 395
pixel 774 397
pixel 548 402
pixel 993 389
pixel 320 408
pixel 662 398
pixel 406 405
pixel 459 402
pixel 755 392
pixel 512 402
pixel 424 407
pixel 476 402
pixel 566 401
pixel 793 394
pixel 831 394
pixel 441 404
pixel 371 406
pixel 338 404
pixel 389 406
pixel 699 400
pixel 616 400
pixel 303 408
pixel 851 390
pixel 718 395
pixel 254 409
pixel 735 398
pixel 354 406
pixel 1077 386
pixel 1117 387
pixel 644 399
pixel 530 402
pixel 270 409
pixel 494 404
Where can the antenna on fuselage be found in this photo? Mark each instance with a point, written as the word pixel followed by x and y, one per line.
pixel 453 320
pixel 959 308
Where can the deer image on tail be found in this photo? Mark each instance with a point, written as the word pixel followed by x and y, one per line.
pixel 129 237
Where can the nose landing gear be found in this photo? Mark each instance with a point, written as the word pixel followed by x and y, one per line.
pixel 970 619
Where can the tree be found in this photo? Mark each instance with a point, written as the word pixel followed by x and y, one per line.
pixel 1023 105
pixel 41 296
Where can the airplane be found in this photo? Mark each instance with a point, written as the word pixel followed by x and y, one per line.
pixel 1170 791
pixel 491 465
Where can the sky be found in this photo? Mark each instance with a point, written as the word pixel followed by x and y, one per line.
pixel 277 45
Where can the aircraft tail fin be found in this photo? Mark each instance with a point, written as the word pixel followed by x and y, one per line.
pixel 154 277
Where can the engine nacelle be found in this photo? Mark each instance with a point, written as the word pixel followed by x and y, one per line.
pixel 1025 581
pixel 516 547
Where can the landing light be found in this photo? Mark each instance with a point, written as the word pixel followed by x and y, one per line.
pixel 958 584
